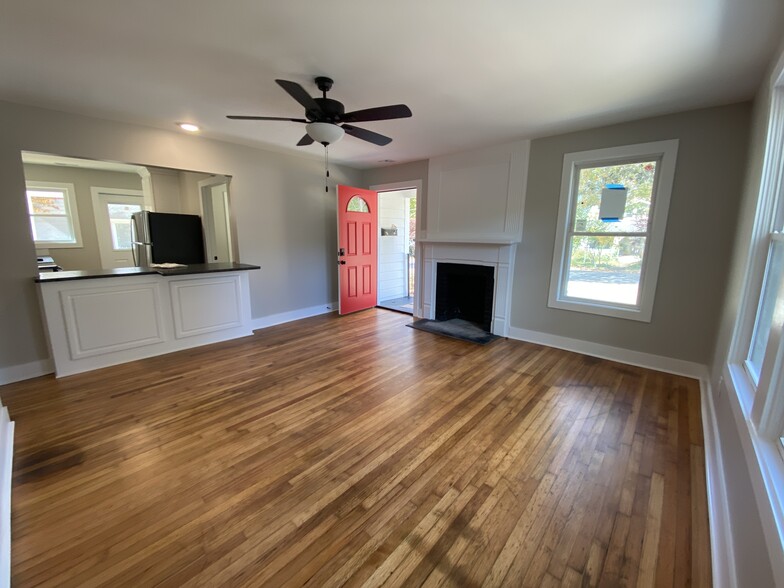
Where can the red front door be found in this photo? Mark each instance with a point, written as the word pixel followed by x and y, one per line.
pixel 357 255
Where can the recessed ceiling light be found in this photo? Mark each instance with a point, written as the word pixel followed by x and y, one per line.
pixel 190 127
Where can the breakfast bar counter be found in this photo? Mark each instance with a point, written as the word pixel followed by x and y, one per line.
pixel 100 318
pixel 199 268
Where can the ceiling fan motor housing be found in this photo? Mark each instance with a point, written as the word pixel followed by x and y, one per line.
pixel 331 111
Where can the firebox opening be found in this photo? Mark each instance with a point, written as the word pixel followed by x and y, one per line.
pixel 465 291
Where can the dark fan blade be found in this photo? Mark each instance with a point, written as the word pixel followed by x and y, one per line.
pixel 240 117
pixel 366 135
pixel 378 113
pixel 306 140
pixel 299 94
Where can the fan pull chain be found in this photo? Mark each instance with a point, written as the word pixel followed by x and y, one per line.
pixel 326 167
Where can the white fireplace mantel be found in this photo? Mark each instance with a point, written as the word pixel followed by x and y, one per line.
pixel 499 256
pixel 472 240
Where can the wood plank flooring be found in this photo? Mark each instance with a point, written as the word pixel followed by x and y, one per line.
pixel 356 451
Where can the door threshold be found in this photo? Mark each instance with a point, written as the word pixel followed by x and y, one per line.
pixel 404 305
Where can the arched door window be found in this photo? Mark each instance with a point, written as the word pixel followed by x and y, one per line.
pixel 357 204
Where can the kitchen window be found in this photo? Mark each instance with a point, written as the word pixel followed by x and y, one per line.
pixel 53 214
pixel 612 216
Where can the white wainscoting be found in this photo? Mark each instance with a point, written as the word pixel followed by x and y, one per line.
pixel 112 318
pixel 194 305
pixel 94 323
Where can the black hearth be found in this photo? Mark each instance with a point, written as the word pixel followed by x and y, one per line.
pixel 465 291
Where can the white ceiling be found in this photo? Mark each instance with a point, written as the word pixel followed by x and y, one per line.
pixel 474 73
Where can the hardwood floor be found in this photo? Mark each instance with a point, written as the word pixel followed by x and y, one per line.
pixel 356 451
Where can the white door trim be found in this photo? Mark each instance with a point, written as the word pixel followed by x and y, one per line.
pixel 411 185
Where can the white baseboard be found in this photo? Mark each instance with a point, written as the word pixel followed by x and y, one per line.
pixel 6 463
pixel 292 315
pixel 722 547
pixel 670 365
pixel 16 373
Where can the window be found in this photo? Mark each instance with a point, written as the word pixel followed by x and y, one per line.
pixel 770 311
pixel 759 344
pixel 611 223
pixel 753 374
pixel 53 215
pixel 120 224
pixel 357 204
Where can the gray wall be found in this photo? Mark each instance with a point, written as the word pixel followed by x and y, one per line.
pixel 190 196
pixel 166 190
pixel 88 256
pixel 404 172
pixel 702 217
pixel 285 221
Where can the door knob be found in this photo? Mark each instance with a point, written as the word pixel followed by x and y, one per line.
pixel 342 262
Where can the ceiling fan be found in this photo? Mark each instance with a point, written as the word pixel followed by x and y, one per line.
pixel 325 118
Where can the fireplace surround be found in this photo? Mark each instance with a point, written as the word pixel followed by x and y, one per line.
pixel 498 257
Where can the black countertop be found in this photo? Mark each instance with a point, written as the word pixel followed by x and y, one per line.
pixel 196 268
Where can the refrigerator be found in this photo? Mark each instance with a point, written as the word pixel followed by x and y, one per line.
pixel 161 237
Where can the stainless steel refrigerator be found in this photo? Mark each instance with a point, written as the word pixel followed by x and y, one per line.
pixel 161 237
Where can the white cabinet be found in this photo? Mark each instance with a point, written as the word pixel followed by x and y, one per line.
pixel 98 322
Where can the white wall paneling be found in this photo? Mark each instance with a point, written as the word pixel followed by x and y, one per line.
pixel 205 305
pixel 107 318
pixel 478 196
pixel 98 322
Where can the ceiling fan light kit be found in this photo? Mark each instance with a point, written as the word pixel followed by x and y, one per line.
pixel 324 133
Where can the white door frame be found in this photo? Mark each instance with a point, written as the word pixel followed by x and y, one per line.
pixel 208 183
pixel 415 185
pixel 101 226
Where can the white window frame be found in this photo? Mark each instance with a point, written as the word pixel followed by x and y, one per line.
pixel 760 403
pixel 758 408
pixel 665 154
pixel 71 213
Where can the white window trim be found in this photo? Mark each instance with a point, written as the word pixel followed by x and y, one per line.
pixel 72 213
pixel 760 417
pixel 666 153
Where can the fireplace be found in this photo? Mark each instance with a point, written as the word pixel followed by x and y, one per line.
pixel 465 291
pixel 496 259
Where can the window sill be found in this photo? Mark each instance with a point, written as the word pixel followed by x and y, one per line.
pixel 49 245
pixel 765 465
pixel 604 309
